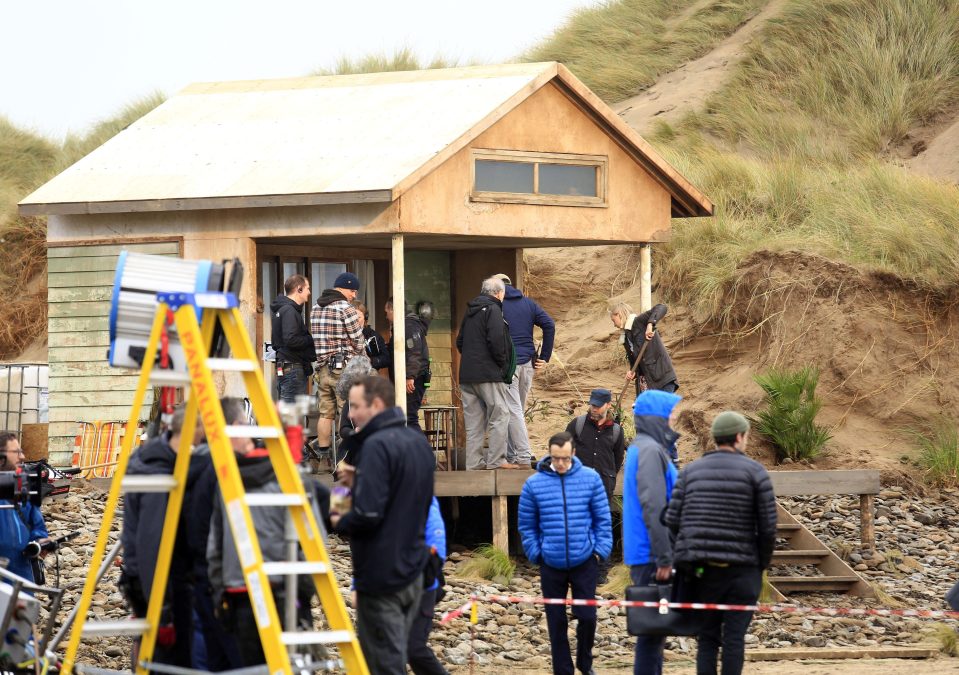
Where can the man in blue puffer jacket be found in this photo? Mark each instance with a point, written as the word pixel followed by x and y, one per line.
pixel 566 528
pixel 649 474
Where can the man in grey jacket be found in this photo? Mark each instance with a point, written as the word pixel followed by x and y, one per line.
pixel 655 367
pixel 225 569
pixel 723 515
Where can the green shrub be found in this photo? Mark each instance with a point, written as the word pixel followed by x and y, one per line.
pixel 789 419
pixel 939 452
pixel 488 562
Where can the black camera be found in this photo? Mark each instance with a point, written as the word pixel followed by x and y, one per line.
pixel 35 548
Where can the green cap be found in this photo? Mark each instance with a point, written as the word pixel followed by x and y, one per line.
pixel 728 424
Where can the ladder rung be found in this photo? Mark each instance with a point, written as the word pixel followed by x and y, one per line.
pixel 121 627
pixel 245 431
pixel 299 567
pixel 167 378
pixel 330 637
pixel 231 365
pixel 273 499
pixel 153 483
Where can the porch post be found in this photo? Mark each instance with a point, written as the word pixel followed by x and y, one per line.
pixel 646 277
pixel 399 321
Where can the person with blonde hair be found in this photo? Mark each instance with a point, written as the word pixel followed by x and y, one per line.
pixel 656 368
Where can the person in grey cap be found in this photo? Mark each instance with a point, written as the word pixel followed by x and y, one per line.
pixel 337 330
pixel 598 440
pixel 722 514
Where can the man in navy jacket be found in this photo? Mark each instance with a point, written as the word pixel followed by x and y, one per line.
pixel 392 484
pixel 566 528
pixel 521 314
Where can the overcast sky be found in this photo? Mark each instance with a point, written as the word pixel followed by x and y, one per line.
pixel 66 64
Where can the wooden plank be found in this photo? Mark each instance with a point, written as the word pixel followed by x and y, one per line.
pixel 55 250
pixel 113 413
pixel 500 523
pixel 96 368
pixel 117 382
pixel 59 310
pixel 94 399
pixel 80 279
pixel 87 264
pixel 510 481
pixel 77 355
pixel 84 323
pixel 88 294
pixel 465 484
pixel 439 340
pixel 832 653
pixel 846 482
pixel 100 338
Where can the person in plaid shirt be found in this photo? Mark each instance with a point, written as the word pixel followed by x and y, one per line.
pixel 337 330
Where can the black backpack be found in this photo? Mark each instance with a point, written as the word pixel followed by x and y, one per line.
pixel 581 423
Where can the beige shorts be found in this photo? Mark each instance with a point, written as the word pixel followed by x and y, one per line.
pixel 326 392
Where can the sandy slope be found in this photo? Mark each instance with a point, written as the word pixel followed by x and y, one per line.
pixel 886 349
pixel 940 159
pixel 687 86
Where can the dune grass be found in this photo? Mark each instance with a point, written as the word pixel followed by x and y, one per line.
pixel 837 80
pixel 938 444
pixel 400 59
pixel 620 48
pixel 488 562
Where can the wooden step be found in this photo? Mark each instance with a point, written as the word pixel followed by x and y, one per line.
pixel 799 557
pixel 814 584
pixel 787 528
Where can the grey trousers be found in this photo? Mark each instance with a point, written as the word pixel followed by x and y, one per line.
pixel 517 447
pixel 383 625
pixel 485 408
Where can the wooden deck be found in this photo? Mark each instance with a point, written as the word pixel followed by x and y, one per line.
pixel 501 484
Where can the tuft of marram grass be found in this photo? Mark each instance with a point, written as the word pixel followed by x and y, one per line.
pixel 487 562
pixel 401 59
pixel 616 581
pixel 938 445
pixel 945 635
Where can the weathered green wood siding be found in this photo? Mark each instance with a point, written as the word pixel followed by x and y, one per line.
pixel 428 278
pixel 82 386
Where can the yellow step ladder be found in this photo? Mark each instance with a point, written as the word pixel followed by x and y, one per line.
pixel 220 309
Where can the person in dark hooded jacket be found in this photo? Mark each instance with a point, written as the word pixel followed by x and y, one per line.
pixel 486 368
pixel 295 352
pixel 143 516
pixel 649 474
pixel 656 368
pixel 417 352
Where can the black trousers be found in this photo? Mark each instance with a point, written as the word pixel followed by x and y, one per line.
pixel 414 402
pixel 239 620
pixel 419 656
pixel 555 584
pixel 735 585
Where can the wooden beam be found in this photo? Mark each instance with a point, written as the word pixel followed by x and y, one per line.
pixel 867 521
pixel 646 277
pixel 464 483
pixel 500 523
pixel 840 653
pixel 852 482
pixel 399 323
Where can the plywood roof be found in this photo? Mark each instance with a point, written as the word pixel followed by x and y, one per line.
pixel 317 140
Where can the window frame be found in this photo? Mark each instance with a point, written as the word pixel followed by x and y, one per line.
pixel 600 162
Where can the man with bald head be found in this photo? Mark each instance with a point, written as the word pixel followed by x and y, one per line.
pixel 487 366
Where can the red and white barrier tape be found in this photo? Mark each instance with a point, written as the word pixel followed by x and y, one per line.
pixel 787 609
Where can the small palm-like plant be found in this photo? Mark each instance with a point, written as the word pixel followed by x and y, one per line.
pixel 789 419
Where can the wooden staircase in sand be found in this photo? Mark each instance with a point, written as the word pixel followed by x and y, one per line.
pixel 825 571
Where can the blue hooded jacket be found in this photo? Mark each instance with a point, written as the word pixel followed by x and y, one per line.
pixel 16 531
pixel 436 534
pixel 649 475
pixel 564 518
pixel 522 313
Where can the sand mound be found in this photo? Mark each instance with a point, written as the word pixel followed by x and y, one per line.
pixel 886 347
